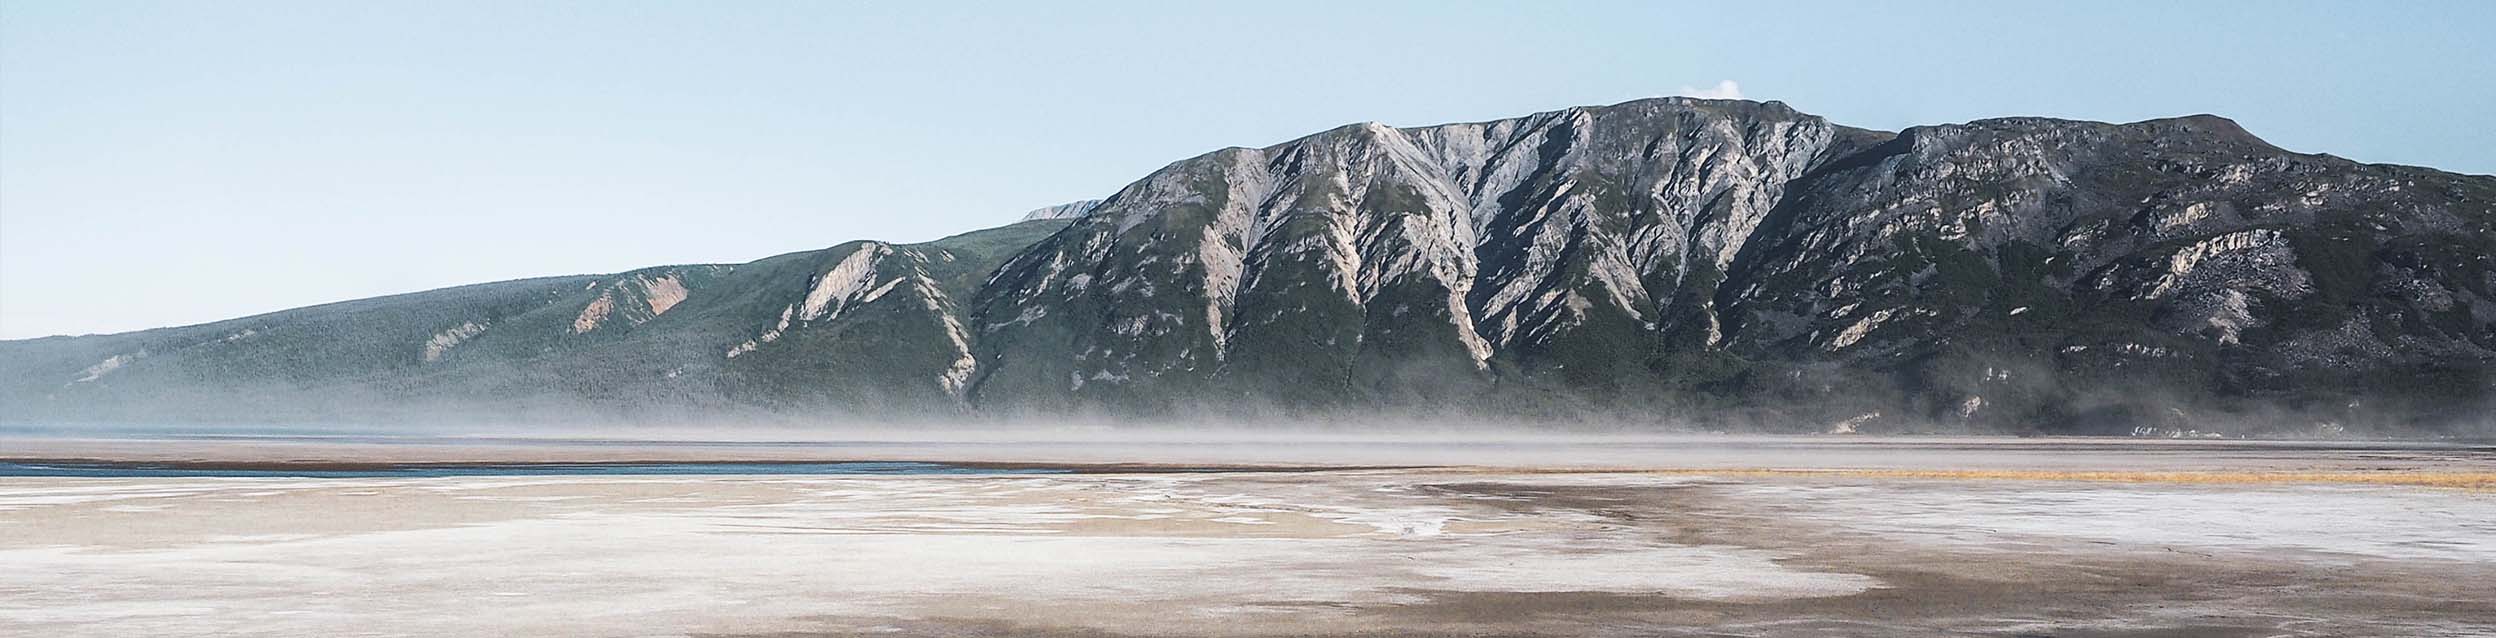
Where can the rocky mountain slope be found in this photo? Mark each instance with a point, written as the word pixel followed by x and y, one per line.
pixel 862 323
pixel 1668 262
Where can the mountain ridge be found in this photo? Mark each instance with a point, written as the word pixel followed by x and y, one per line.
pixel 1661 262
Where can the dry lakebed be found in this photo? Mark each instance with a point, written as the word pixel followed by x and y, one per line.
pixel 1625 536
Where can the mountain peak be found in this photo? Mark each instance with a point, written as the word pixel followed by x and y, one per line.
pixel 1068 210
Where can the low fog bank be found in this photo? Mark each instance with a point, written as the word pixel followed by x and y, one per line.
pixel 1208 446
pixel 536 417
pixel 1410 438
pixel 469 403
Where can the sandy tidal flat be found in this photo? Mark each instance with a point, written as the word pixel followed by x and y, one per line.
pixel 1239 553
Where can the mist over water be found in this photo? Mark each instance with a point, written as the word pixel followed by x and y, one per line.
pixel 860 449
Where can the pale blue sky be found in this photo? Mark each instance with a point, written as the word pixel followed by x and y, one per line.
pixel 172 163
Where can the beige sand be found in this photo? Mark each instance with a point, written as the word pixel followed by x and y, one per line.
pixel 1785 538
pixel 1235 554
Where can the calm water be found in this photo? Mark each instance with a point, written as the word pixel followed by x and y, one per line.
pixel 526 469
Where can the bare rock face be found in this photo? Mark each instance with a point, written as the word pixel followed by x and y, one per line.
pixel 1069 210
pixel 2156 267
pixel 1371 261
pixel 1741 263
pixel 1684 262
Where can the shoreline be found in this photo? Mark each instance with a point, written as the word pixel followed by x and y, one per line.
pixel 1900 458
pixel 2465 480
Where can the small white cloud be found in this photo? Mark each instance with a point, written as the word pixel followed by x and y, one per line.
pixel 1724 90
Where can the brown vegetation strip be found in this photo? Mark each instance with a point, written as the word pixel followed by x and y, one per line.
pixel 2463 480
